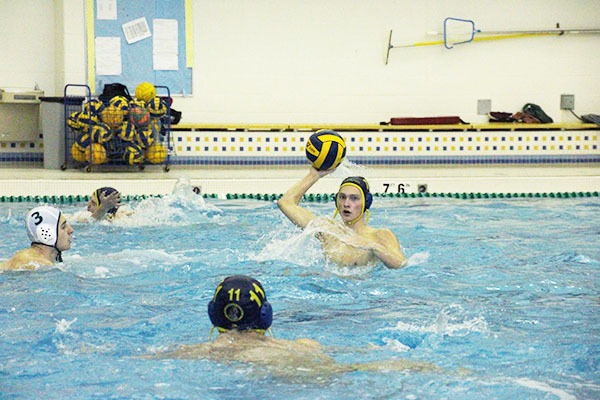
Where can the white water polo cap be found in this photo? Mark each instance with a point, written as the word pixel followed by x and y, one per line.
pixel 42 225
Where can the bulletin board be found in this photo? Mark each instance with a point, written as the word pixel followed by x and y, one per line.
pixel 160 51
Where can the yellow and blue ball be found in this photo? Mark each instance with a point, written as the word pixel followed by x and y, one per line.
pixel 74 123
pixel 112 115
pixel 100 133
pixel 145 137
pixel 81 121
pixel 156 154
pixel 120 103
pixel 325 149
pixel 93 107
pixel 82 141
pixel 77 154
pixel 157 107
pixel 145 91
pixel 88 120
pixel 155 126
pixel 132 154
pixel 98 155
pixel 127 131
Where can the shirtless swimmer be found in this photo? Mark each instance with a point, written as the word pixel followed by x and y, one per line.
pixel 353 242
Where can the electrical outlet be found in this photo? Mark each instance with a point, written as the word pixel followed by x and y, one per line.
pixel 484 106
pixel 567 101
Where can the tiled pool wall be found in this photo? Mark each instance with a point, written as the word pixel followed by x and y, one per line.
pixel 391 147
pixel 239 147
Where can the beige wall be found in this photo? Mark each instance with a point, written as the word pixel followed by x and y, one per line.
pixel 317 61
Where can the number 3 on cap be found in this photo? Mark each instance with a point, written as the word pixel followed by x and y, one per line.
pixel 38 218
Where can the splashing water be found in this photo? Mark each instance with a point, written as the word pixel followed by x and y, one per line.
pixel 297 247
pixel 123 263
pixel 7 218
pixel 181 207
pixel 302 248
pixel 544 387
pixel 417 259
pixel 450 321
pixel 63 325
pixel 348 168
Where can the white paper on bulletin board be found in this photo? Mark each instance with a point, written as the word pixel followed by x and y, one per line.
pixel 106 9
pixel 165 44
pixel 136 30
pixel 108 56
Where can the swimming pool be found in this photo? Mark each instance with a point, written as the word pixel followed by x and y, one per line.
pixel 506 288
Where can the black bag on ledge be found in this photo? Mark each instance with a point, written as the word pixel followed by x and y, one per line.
pixel 591 119
pixel 114 89
pixel 537 112
pixel 175 116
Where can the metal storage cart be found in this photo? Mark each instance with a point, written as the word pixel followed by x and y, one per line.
pixel 117 133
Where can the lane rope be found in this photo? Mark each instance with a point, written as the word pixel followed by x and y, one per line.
pixel 310 198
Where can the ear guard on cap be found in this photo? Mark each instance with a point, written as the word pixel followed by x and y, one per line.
pixel 46 234
pixel 368 200
pixel 266 315
pixel 211 313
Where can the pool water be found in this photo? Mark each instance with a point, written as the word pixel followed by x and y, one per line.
pixel 506 289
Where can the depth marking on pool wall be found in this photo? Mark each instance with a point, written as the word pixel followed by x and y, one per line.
pixel 395 187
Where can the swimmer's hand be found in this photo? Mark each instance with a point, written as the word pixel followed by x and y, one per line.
pixel 106 203
pixel 319 174
pixel 111 200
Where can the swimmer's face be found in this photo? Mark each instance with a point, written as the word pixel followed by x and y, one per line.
pixel 64 234
pixel 349 203
pixel 92 206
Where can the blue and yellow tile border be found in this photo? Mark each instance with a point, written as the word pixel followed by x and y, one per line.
pixel 384 144
pixel 284 144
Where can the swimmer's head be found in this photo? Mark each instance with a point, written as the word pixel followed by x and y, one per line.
pixel 240 302
pixel 97 198
pixel 367 198
pixel 43 227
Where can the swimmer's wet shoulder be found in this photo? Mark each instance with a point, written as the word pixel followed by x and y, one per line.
pixel 24 259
